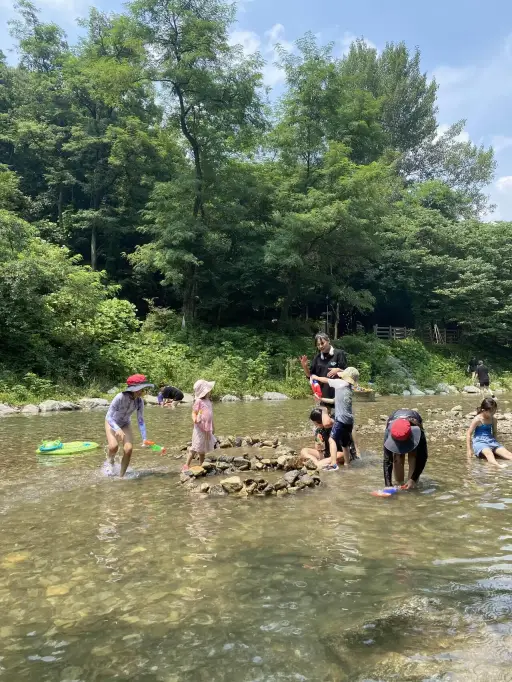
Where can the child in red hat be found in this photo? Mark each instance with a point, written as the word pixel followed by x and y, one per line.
pixel 117 424
pixel 404 436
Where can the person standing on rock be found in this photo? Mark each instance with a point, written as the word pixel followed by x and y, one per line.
pixel 117 421
pixel 483 377
pixel 404 435
pixel 203 440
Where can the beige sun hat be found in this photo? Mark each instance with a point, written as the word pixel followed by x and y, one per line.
pixel 350 375
pixel 202 388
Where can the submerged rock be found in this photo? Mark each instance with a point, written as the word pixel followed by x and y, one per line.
pixel 272 395
pixel 249 398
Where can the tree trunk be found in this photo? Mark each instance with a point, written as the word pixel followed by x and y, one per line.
pixel 60 203
pixel 94 237
pixel 337 321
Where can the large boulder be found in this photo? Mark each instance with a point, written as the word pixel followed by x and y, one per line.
pixel 272 395
pixel 471 389
pixel 230 399
pixel 151 400
pixel 446 388
pixel 429 391
pixel 93 404
pixel 57 406
pixel 30 409
pixel 188 398
pixel 232 485
pixel 6 410
pixel 250 398
pixel 406 393
pixel 415 390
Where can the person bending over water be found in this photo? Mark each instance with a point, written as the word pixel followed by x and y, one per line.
pixel 404 435
pixel 117 422
pixel 341 434
pixel 169 396
pixel 483 431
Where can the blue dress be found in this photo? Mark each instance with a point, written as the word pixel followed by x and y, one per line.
pixel 484 438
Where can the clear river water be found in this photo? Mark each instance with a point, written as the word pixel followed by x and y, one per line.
pixel 102 579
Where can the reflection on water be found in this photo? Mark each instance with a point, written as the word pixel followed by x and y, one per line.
pixel 104 579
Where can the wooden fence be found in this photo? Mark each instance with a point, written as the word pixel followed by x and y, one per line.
pixel 435 335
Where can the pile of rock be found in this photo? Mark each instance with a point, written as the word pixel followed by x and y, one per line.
pixel 285 458
pixel 260 442
pixel 290 483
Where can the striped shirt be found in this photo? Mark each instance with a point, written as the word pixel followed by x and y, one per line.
pixel 121 410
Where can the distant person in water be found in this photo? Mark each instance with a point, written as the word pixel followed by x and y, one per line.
pixel 482 434
pixel 471 370
pixel 203 440
pixel 482 374
pixel 117 423
pixel 403 436
pixel 169 396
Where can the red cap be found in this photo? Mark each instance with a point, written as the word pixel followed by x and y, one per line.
pixel 400 429
pixel 136 379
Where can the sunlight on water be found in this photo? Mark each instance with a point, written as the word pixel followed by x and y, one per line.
pixel 104 579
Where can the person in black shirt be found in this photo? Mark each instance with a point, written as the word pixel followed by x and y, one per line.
pixel 483 376
pixel 404 435
pixel 327 363
pixel 169 396
pixel 471 370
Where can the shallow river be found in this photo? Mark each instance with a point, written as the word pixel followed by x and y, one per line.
pixel 102 579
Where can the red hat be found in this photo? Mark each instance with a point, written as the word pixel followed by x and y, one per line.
pixel 402 437
pixel 401 429
pixel 137 382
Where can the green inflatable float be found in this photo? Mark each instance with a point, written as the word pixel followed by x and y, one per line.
pixel 57 447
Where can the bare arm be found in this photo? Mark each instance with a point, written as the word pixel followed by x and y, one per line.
pixel 321 380
pixel 469 434
pixel 305 365
pixel 327 421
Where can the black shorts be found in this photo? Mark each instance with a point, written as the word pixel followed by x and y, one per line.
pixel 342 434
pixel 484 385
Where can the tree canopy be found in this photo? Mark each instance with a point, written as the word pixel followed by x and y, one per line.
pixel 147 166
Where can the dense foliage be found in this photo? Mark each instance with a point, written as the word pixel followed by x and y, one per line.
pixel 145 170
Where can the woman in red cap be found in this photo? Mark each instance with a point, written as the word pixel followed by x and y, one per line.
pixel 117 423
pixel 404 436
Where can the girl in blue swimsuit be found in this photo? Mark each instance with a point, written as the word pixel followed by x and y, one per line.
pixel 482 434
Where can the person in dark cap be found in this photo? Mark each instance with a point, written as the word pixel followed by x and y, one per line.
pixel 404 435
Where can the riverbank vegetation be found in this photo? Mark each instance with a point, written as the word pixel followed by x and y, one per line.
pixel 148 180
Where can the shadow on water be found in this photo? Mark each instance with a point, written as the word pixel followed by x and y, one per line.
pixel 104 579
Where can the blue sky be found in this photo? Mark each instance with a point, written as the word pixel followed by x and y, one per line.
pixel 465 44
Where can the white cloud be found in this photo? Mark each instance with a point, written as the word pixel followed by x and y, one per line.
pixel 463 136
pixel 249 40
pixel 504 184
pixel 501 142
pixel 348 38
